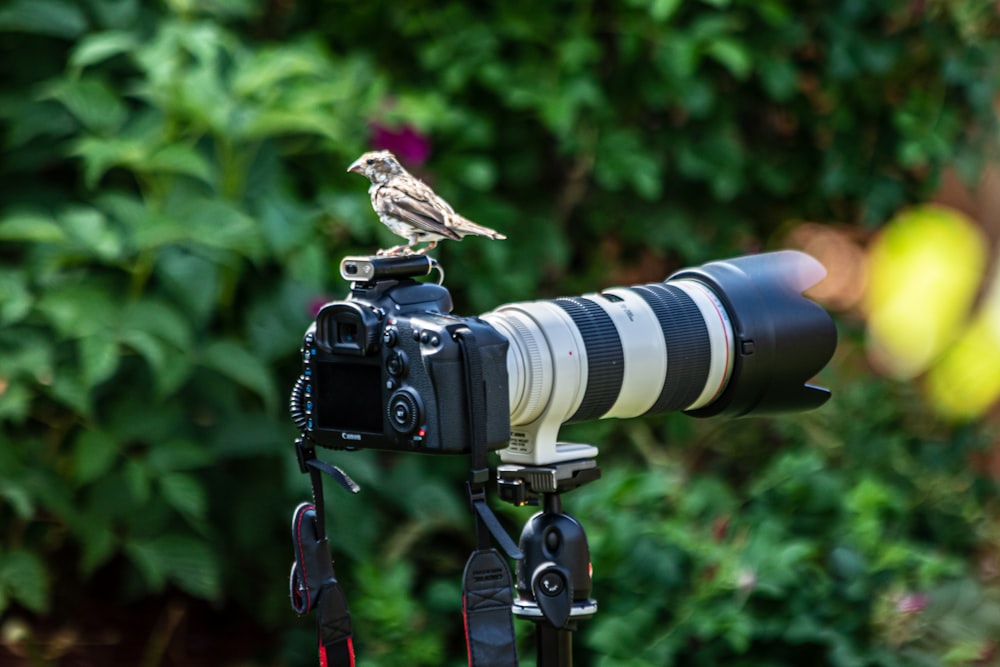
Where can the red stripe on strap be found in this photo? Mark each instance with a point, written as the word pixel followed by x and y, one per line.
pixel 465 624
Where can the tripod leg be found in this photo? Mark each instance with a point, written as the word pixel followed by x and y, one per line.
pixel 554 646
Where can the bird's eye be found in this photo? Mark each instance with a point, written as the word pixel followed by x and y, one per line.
pixel 371 161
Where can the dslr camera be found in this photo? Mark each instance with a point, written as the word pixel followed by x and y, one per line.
pixel 384 369
pixel 390 367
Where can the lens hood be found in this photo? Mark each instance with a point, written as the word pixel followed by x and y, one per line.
pixel 782 339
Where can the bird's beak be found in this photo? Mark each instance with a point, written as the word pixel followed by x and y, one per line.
pixel 356 167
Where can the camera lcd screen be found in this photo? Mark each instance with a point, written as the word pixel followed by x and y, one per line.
pixel 349 397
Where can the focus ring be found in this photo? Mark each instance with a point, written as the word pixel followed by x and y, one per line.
pixel 685 335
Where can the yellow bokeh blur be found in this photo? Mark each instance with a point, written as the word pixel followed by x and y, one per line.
pixel 966 380
pixel 926 268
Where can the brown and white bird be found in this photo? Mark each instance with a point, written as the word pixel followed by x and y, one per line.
pixel 409 208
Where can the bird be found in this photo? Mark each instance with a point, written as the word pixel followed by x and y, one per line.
pixel 410 208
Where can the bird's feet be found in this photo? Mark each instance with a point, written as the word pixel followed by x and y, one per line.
pixel 406 249
pixel 393 252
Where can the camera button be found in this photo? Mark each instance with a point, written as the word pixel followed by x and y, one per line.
pixel 390 337
pixel 395 364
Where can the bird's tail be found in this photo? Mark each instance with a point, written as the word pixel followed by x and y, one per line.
pixel 464 227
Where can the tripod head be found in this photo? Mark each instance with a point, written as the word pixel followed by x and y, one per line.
pixel 553 580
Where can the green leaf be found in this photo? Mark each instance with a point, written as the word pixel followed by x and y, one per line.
pixel 779 79
pixel 92 101
pixel 235 362
pixel 267 123
pixel 137 478
pixel 97 47
pixel 158 318
pixel 98 358
pixel 148 560
pixel 54 18
pixel 138 155
pixel 98 547
pixel 662 10
pixel 79 310
pixel 217 223
pixel 176 455
pixel 177 159
pixel 185 494
pixel 90 228
pixel 177 368
pixel 31 228
pixel 102 154
pixel 121 14
pixel 968 652
pixel 153 231
pixel 185 561
pixel 149 346
pixel 23 578
pixel 15 299
pixel 731 54
pixel 285 222
pixel 18 495
pixel 270 69
pixel 69 389
pixel 157 331
pixel 94 453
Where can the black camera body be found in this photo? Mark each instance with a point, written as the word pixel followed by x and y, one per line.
pixel 384 369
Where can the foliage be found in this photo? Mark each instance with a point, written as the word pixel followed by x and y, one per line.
pixel 174 204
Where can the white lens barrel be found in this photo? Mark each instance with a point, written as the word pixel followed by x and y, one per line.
pixel 732 337
pixel 547 347
pixel 624 352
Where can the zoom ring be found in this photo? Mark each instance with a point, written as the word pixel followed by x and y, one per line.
pixel 605 357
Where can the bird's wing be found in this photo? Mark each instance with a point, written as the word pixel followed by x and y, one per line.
pixel 414 210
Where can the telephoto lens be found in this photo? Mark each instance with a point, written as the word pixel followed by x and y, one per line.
pixel 732 337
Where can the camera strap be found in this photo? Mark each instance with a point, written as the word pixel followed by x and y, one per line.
pixel 487 587
pixel 313 584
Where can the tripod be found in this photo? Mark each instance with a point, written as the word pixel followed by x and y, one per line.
pixel 554 577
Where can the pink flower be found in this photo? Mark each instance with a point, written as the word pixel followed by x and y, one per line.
pixel 911 603
pixel 404 141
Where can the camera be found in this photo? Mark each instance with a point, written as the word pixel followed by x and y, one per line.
pixel 384 369
pixel 389 367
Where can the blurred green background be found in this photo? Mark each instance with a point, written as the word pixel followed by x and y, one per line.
pixel 174 205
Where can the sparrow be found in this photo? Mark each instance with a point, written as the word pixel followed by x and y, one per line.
pixel 409 208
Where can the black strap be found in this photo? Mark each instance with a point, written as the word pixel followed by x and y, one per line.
pixel 314 586
pixel 486 605
pixel 487 596
pixel 312 583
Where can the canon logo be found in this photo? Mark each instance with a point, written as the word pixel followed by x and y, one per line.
pixel 350 436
